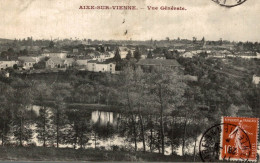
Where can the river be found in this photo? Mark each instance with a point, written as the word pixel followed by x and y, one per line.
pixel 102 118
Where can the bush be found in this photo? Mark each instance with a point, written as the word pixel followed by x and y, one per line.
pixel 115 148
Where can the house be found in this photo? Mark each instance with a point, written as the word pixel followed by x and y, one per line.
pixel 149 64
pixel 124 50
pixel 143 56
pixel 97 66
pixel 27 62
pixel 187 55
pixel 6 64
pixel 180 50
pixel 101 57
pixel 218 55
pixel 83 61
pixel 159 56
pixel 256 79
pixel 68 62
pixel 249 55
pixel 258 55
pixel 54 62
pixel 149 49
pixel 95 55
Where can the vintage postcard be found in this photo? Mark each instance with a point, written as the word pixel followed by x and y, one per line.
pixel 129 80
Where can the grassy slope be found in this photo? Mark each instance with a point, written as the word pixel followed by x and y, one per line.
pixel 66 154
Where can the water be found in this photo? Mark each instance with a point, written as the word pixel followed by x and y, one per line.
pixel 103 119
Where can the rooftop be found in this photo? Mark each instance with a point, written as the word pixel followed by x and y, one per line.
pixel 27 59
pixel 56 60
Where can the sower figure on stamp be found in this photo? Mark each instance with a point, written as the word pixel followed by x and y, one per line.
pixel 238 134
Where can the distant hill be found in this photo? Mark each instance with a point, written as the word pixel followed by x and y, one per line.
pixel 3 40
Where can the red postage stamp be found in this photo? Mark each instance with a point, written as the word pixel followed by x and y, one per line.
pixel 239 139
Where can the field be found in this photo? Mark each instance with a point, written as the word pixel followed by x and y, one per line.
pixel 68 154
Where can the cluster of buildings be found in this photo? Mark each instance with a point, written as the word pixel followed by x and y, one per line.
pixel 221 54
pixel 6 64
pixel 96 62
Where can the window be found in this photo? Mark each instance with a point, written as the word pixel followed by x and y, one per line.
pixel 111 65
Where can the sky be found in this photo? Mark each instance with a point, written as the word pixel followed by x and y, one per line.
pixel 46 19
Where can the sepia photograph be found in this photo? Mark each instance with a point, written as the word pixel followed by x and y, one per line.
pixel 129 80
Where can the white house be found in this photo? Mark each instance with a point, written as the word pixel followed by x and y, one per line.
pixel 124 50
pixel 27 62
pixel 68 62
pixel 218 55
pixel 181 50
pixel 6 64
pixel 55 62
pixel 256 79
pixel 187 55
pixel 101 57
pixel 96 66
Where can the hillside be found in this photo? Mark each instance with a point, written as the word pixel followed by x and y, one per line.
pixel 3 40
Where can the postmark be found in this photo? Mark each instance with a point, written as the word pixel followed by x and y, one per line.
pixel 235 139
pixel 229 3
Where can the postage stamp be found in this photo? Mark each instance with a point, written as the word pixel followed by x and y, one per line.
pixel 229 3
pixel 239 139
pixel 235 139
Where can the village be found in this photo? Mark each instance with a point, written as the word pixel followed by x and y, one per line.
pixel 36 56
pixel 29 56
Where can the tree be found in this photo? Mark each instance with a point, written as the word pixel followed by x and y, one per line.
pixel 15 66
pixel 24 52
pixel 51 44
pixel 168 89
pixel 194 40
pixel 192 104
pixel 150 55
pixel 137 54
pixel 79 127
pixel 203 40
pixel 117 59
pixel 220 41
pixel 11 51
pixel 102 49
pixel 127 97
pixel 117 56
pixel 6 115
pixel 129 55
pixel 40 65
pixel 21 102
pixel 44 128
pixel 61 92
